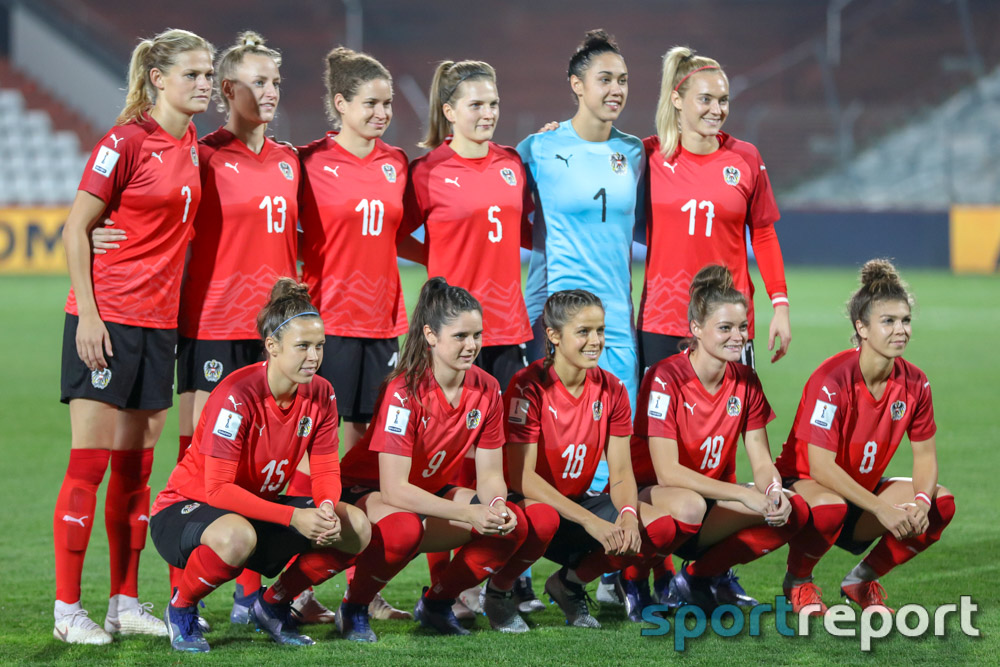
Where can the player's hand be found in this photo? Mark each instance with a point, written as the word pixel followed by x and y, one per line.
pixel 312 523
pixel 755 501
pixel 628 524
pixel 918 517
pixel 484 519
pixel 332 536
pixel 610 536
pixel 509 518
pixel 780 508
pixel 781 328
pixel 106 237
pixel 549 126
pixel 92 342
pixel 896 520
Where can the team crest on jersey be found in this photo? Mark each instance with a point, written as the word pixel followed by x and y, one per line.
pixel 598 410
pixel 190 507
pixel 194 156
pixel 897 410
pixel 619 164
pixel 390 172
pixel 286 170
pixel 101 378
pixel 213 370
pixel 509 177
pixel 472 419
pixel 734 406
pixel 305 427
pixel 731 175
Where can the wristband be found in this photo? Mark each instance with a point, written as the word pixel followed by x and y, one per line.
pixel 771 487
pixel 496 500
pixel 629 508
pixel 924 497
pixel 779 301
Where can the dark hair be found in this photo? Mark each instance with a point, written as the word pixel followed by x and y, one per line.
pixel 247 43
pixel 594 43
pixel 439 304
pixel 710 288
pixel 346 70
pixel 879 282
pixel 562 307
pixel 448 76
pixel 288 300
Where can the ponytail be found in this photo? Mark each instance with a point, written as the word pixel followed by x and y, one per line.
pixel 679 64
pixel 448 77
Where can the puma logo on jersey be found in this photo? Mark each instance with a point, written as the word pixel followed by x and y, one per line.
pixel 332 170
pixel 763 168
pixel 520 388
pixel 829 394
pixel 233 401
pixel 116 140
pixel 143 517
pixel 72 519
pixel 690 407
pixel 424 420
pixel 564 159
pixel 927 384
pixel 158 156
pixel 661 382
pixel 260 430
pixel 554 413
pixel 672 167
pixel 402 399
pixel 453 181
pixel 234 166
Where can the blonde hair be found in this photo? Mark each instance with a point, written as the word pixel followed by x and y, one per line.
pixel 880 281
pixel 448 77
pixel 346 70
pixel 678 65
pixel 247 43
pixel 160 53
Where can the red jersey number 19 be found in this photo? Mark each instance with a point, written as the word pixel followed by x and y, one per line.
pixel 713 452
pixel 274 207
pixel 372 212
pixel 575 456
pixel 691 207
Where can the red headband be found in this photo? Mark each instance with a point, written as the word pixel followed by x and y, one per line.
pixel 694 71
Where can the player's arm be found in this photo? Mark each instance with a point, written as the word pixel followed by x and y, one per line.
pixel 767 252
pixel 623 492
pixel 92 339
pixel 491 487
pixel 766 479
pixel 925 477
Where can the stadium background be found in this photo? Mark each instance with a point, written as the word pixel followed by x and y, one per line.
pixel 877 121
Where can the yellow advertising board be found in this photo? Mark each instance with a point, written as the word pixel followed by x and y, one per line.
pixel 31 240
pixel 975 239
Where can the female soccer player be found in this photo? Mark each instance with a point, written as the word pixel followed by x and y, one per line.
pixel 221 510
pixel 854 411
pixel 696 407
pixel 563 413
pixel 121 319
pixel 436 406
pixel 706 189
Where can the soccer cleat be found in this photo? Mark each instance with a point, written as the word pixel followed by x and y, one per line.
pixel 183 629
pixel 462 612
pixel 381 610
pixel 352 621
pixel 276 620
pixel 803 595
pixel 727 590
pixel 527 601
pixel 438 615
pixel 73 626
pixel 607 590
pixel 572 598
pixel 472 598
pixel 202 621
pixel 126 615
pixel 307 610
pixel 500 608
pixel 636 595
pixel 664 593
pixel 240 615
pixel 693 590
pixel 867 594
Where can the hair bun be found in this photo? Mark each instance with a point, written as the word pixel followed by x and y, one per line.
pixel 249 39
pixel 879 273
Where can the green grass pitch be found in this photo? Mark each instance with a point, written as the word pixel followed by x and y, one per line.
pixel 953 322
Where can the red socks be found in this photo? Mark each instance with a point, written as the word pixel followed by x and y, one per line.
pixel 394 544
pixel 310 568
pixel 890 552
pixel 74 518
pixel 437 563
pixel 184 441
pixel 661 537
pixel 126 517
pixel 807 546
pixel 204 572
pixel 249 581
pixel 482 556
pixel 542 523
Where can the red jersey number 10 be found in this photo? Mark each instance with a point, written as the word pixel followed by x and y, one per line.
pixel 372 212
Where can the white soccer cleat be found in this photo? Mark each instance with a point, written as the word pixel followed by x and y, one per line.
pixel 128 616
pixel 381 610
pixel 472 598
pixel 307 610
pixel 73 626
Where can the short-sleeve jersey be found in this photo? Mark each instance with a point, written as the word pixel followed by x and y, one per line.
pixel 428 430
pixel 838 413
pixel 698 210
pixel 242 423
pixel 571 432
pixel 150 185
pixel 245 236
pixel 584 219
pixel 350 212
pixel 674 404
pixel 473 212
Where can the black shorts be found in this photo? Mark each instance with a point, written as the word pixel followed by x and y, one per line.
pixel 201 364
pixel 176 531
pixel 572 542
pixel 356 368
pixel 692 549
pixel 846 539
pixel 502 361
pixel 140 375
pixel 654 347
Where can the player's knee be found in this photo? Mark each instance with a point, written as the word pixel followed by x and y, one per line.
pixel 356 532
pixel 234 540
pixel 689 506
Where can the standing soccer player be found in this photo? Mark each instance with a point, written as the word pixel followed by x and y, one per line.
pixel 121 319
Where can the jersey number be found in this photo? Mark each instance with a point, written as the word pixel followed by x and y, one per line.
pixel 713 452
pixel 868 460
pixel 575 456
pixel 278 205
pixel 275 469
pixel 495 234
pixel 434 464
pixel 186 192
pixel 372 212
pixel 603 196
pixel 691 207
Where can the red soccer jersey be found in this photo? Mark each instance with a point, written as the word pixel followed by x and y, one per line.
pixel 245 236
pixel 474 211
pixel 149 181
pixel 350 211
pixel 427 429
pixel 571 432
pixel 674 404
pixel 241 422
pixel 838 413
pixel 697 211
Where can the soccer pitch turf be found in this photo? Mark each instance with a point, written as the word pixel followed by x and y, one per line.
pixel 952 318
